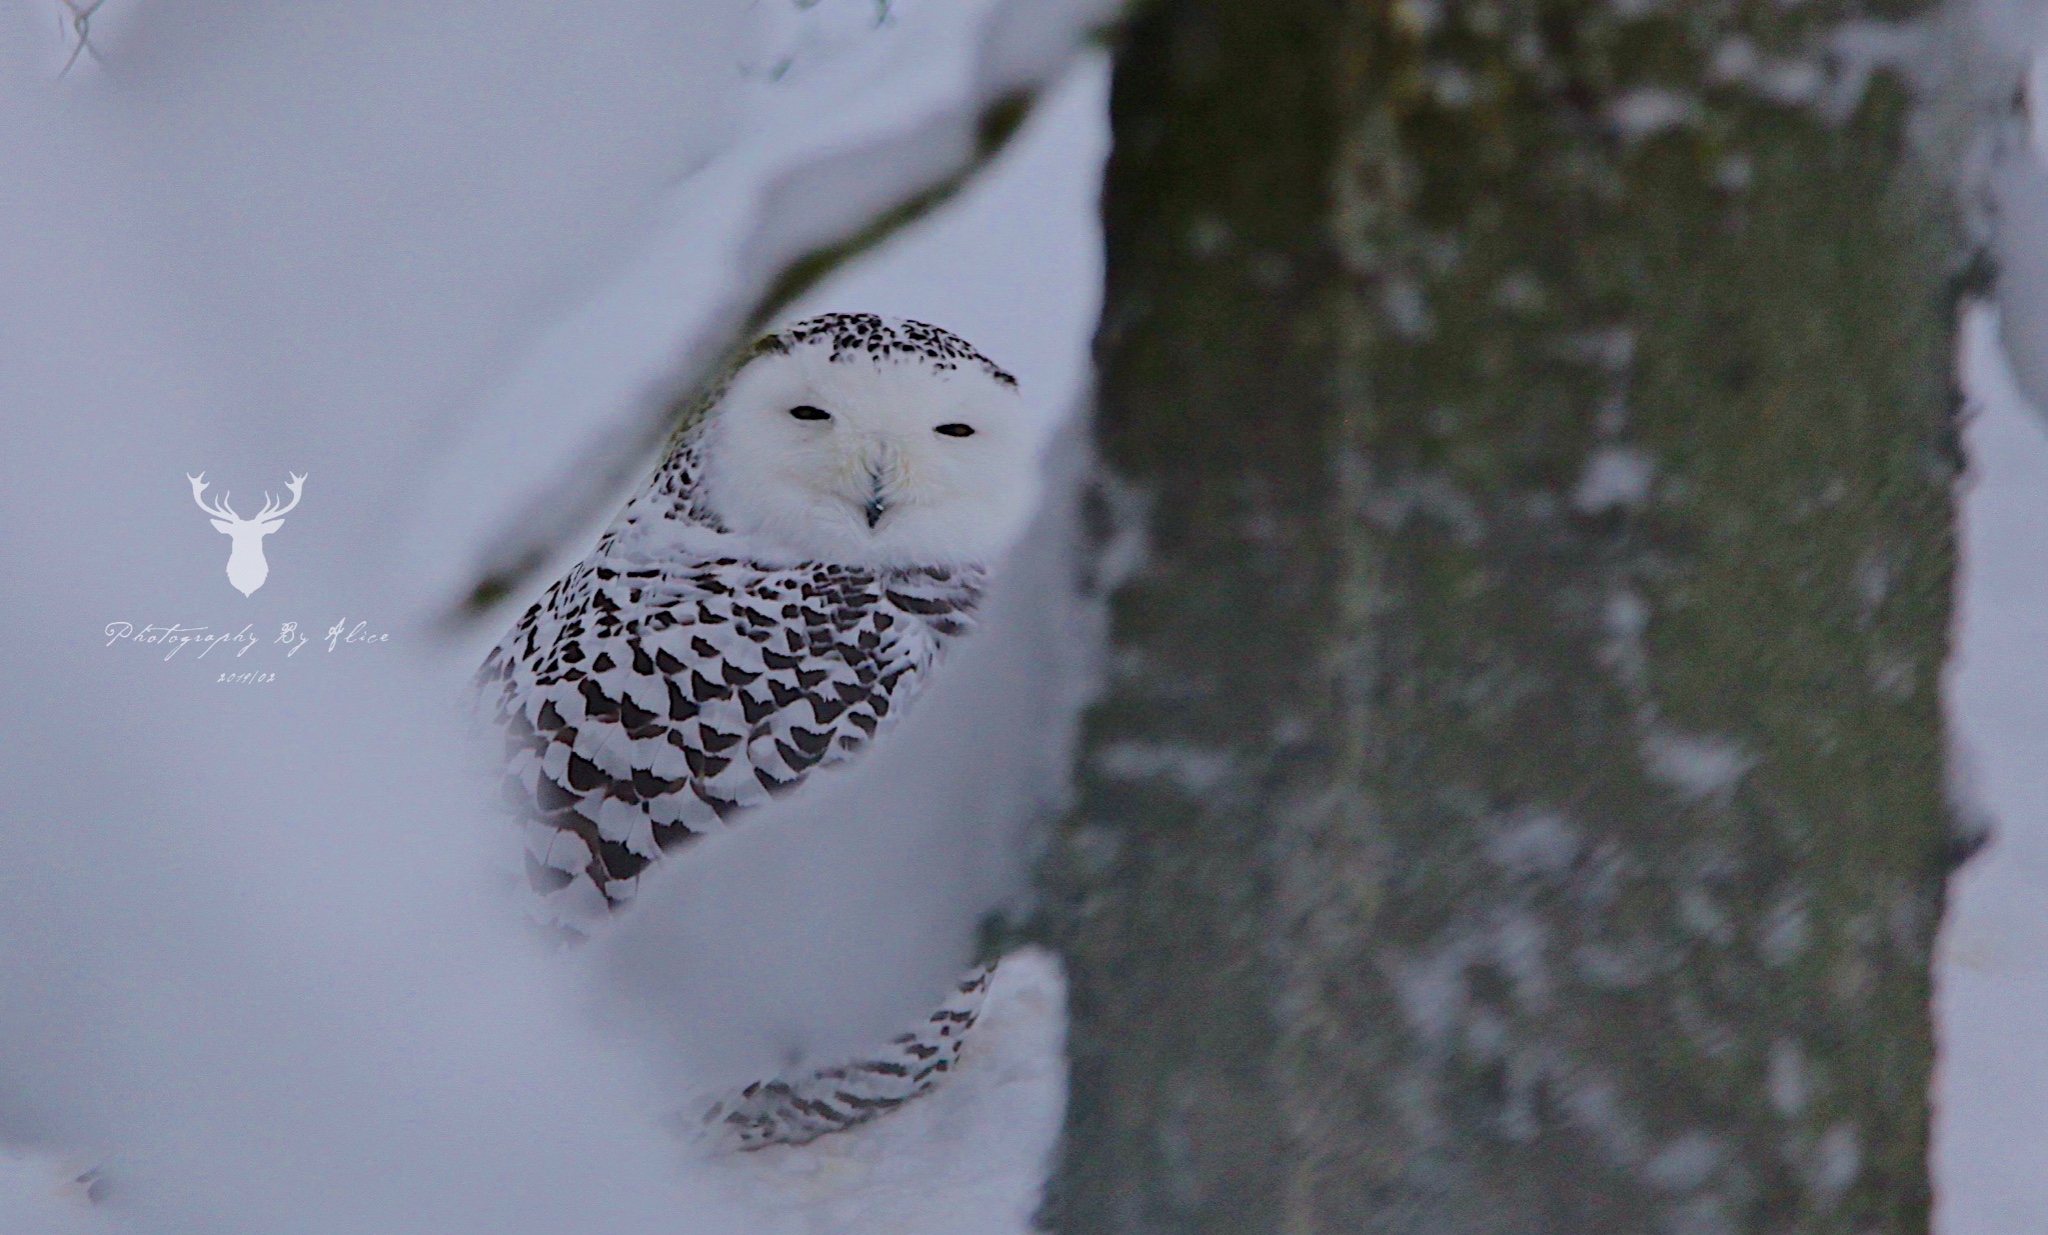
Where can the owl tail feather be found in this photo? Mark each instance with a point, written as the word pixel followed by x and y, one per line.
pixel 793 1111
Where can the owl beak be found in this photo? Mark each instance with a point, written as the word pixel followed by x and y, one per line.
pixel 877 505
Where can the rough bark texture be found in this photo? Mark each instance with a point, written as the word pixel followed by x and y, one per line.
pixel 1516 804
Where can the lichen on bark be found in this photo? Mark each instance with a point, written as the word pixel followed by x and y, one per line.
pixel 1516 803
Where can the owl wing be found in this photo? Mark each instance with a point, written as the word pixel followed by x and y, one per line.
pixel 644 707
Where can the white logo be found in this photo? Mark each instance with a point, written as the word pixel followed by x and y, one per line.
pixel 246 568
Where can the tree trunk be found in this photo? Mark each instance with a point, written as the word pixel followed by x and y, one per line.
pixel 1516 804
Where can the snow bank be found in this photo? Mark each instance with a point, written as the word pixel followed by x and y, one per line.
pixel 1992 969
pixel 968 1160
pixel 249 964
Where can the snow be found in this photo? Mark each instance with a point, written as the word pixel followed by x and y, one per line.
pixel 1991 970
pixel 968 1160
pixel 254 966
pixel 1614 476
pixel 1697 765
pixel 1646 111
pixel 1197 773
pixel 1787 1081
pixel 1686 1163
pixel 1533 843
pixel 1992 974
pixel 2018 191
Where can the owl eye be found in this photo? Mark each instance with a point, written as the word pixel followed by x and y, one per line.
pixel 955 430
pixel 804 411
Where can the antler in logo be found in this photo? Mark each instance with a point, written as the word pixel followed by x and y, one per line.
pixel 246 568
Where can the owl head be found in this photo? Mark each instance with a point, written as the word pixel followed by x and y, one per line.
pixel 871 441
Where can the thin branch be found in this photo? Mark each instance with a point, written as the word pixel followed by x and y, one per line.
pixel 81 26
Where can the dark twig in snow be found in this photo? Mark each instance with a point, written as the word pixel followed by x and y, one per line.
pixel 81 26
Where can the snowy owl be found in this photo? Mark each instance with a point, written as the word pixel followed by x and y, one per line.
pixel 772 598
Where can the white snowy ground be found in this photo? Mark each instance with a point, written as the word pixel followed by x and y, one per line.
pixel 1991 1123
pixel 968 1160
pixel 40 1195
